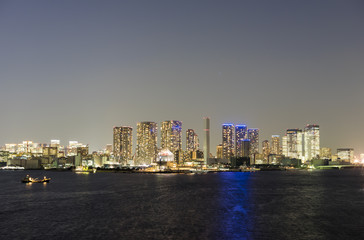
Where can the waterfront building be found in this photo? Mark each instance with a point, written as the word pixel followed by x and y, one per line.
pixel 123 143
pixel 253 135
pixel 325 153
pixel 245 148
pixel 362 157
pixel 345 154
pixel 227 141
pixel 219 151
pixel 311 142
pixel 206 146
pixel 265 150
pixel 171 137
pixel 294 143
pixel 192 142
pixel 284 146
pixel 241 133
pixel 146 148
pixel 275 145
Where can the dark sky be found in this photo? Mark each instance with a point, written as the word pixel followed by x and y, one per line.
pixel 71 70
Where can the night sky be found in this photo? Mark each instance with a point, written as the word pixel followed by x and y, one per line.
pixel 71 70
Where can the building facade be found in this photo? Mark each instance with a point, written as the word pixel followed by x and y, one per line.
pixel 192 142
pixel 227 141
pixel 123 144
pixel 265 150
pixel 345 154
pixel 146 149
pixel 276 145
pixel 206 146
pixel 253 135
pixel 325 153
pixel 294 143
pixel 171 136
pixel 312 142
pixel 241 133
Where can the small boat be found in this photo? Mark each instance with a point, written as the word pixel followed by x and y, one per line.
pixel 84 169
pixel 29 179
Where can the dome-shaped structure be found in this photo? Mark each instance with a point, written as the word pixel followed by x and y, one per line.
pixel 165 156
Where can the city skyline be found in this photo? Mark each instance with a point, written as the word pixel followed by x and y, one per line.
pixel 296 143
pixel 73 70
pixel 287 140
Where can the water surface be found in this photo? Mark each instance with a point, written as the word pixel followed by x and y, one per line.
pixel 326 204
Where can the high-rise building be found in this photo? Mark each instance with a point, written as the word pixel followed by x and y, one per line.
pixel 192 143
pixel 227 141
pixel 219 151
pixel 284 146
pixel 253 135
pixel 276 145
pixel 325 153
pixel 345 154
pixel 123 143
pixel 294 143
pixel 206 146
pixel 265 150
pixel 146 148
pixel 241 133
pixel 245 148
pixel 311 142
pixel 171 136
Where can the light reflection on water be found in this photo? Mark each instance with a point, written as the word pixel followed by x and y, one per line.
pixel 261 205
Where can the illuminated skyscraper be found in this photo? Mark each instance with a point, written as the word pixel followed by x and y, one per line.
pixel 241 133
pixel 219 151
pixel 206 146
pixel 265 150
pixel 192 143
pixel 227 141
pixel 294 143
pixel 345 154
pixel 123 143
pixel 171 136
pixel 276 145
pixel 253 135
pixel 245 148
pixel 146 148
pixel 284 146
pixel 311 142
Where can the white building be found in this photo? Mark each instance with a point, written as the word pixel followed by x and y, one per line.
pixel 311 142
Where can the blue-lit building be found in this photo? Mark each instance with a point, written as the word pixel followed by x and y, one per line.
pixel 241 134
